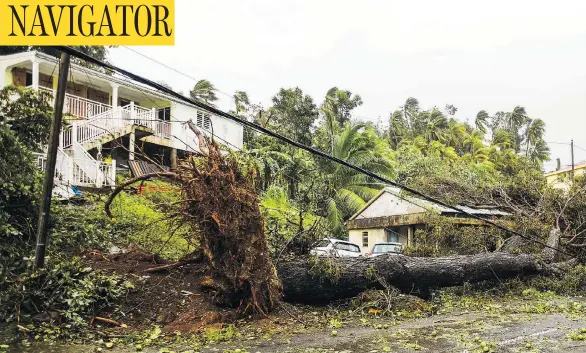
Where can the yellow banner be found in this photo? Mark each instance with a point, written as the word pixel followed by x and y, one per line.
pixel 98 22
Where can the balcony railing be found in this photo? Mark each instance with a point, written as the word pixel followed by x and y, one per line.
pixel 93 111
pixel 80 107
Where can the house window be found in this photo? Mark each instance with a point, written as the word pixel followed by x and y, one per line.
pixel 164 114
pixel 203 120
pixel 365 239
pixel 393 237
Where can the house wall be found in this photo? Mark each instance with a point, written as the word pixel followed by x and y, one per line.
pixel 562 180
pixel 224 129
pixel 390 205
pixel 376 235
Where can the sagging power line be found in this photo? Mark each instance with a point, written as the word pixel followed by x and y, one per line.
pixel 289 141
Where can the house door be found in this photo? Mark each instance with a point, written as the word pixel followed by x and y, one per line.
pixel 123 102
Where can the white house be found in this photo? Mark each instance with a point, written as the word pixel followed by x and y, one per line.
pixel 392 216
pixel 107 115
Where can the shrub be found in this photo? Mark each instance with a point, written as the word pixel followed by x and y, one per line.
pixel 144 221
pixel 65 290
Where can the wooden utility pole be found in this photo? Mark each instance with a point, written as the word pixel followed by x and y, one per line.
pixel 45 205
pixel 572 147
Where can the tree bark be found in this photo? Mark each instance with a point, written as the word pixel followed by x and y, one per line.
pixel 304 281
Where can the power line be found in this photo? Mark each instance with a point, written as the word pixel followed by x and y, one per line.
pixel 211 132
pixel 283 138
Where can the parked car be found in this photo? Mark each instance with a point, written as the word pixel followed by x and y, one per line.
pixel 336 247
pixel 386 248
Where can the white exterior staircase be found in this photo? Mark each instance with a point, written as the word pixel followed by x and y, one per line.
pixel 102 123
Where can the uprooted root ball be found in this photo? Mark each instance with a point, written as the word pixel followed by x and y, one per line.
pixel 223 210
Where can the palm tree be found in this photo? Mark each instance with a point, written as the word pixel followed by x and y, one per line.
pixel 436 123
pixel 516 118
pixel 539 152
pixel 241 101
pixel 534 133
pixel 514 121
pixel 410 110
pixel 350 190
pixel 481 121
pixel 454 135
pixel 397 128
pixel 204 91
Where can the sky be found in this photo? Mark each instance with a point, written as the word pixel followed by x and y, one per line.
pixel 475 55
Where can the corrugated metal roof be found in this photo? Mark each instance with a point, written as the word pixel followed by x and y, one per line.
pixel 441 209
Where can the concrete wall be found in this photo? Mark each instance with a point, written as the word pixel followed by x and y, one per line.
pixel 374 236
pixel 390 205
pixel 377 235
pixel 562 180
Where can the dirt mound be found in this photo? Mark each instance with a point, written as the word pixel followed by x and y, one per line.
pixel 171 298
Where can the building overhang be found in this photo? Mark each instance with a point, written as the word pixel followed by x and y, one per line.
pixel 404 220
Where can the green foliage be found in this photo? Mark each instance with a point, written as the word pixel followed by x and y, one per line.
pixel 442 237
pixel 28 113
pixel 204 91
pixel 348 190
pixel 143 219
pixel 75 228
pixel 326 268
pixel 285 222
pixel 572 283
pixel 294 114
pixel 67 288
pixel 19 183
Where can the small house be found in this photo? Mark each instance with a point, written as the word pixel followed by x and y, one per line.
pixel 562 178
pixel 392 216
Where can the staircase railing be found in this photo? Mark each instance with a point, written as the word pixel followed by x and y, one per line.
pixel 88 164
pixel 63 165
pixel 108 121
pixel 80 171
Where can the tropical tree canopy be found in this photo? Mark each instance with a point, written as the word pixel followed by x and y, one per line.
pixel 204 91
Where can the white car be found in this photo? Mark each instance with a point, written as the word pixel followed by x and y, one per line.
pixel 386 248
pixel 336 247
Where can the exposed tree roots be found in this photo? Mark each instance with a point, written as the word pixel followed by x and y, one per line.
pixel 223 210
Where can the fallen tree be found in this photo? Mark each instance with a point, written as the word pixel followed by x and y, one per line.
pixel 322 280
pixel 222 210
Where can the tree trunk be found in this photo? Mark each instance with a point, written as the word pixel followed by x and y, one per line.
pixel 328 279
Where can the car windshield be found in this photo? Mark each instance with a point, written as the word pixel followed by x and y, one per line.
pixel 324 243
pixel 384 248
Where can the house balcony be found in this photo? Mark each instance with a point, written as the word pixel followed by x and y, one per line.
pixel 80 109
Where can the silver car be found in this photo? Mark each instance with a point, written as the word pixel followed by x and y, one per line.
pixel 386 248
pixel 336 247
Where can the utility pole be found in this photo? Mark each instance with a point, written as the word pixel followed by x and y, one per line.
pixel 45 206
pixel 572 147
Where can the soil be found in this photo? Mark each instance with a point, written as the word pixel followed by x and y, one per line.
pixel 171 299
